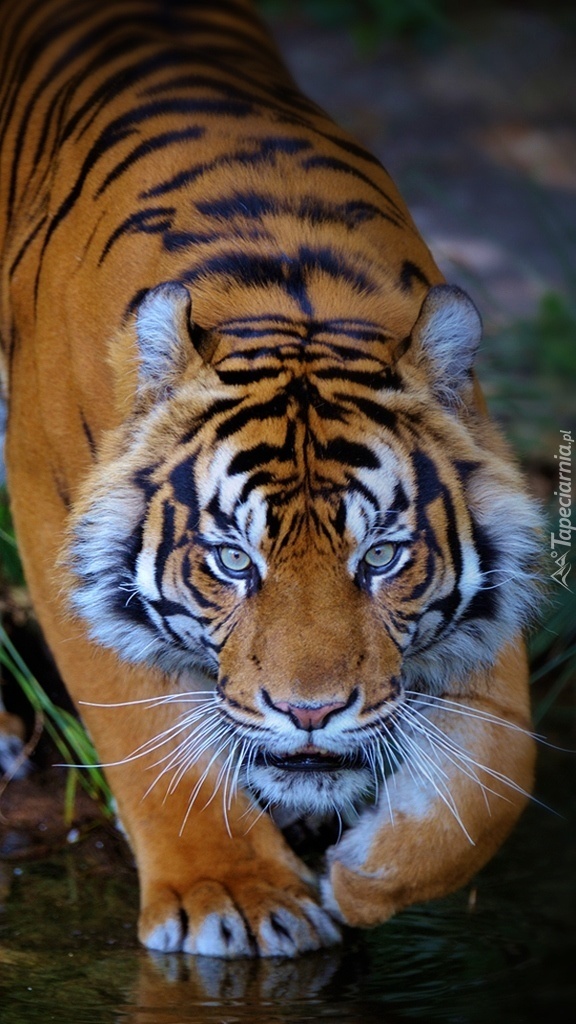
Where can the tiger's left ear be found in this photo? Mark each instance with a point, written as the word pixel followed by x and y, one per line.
pixel 165 338
pixel 446 335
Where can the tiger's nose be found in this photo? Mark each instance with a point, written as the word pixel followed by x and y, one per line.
pixel 306 716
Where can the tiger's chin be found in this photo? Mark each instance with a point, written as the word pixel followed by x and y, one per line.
pixel 311 781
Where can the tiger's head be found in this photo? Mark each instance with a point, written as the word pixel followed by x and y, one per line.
pixel 315 516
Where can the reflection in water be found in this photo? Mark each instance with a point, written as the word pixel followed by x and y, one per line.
pixel 249 990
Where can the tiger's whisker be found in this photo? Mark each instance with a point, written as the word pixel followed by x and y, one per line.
pixel 461 757
pixel 206 696
pixel 380 753
pixel 191 754
pixel 457 757
pixel 198 786
pixel 431 771
pixel 455 707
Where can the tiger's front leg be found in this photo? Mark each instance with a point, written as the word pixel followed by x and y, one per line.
pixel 216 877
pixel 466 776
pixel 227 886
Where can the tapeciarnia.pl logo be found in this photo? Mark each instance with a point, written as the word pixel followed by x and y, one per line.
pixel 561 542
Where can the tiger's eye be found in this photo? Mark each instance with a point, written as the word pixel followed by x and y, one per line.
pixel 380 556
pixel 234 559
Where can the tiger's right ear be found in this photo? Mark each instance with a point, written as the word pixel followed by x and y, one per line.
pixel 447 334
pixel 165 338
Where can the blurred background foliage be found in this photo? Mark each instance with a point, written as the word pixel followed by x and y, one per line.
pixel 422 21
pixel 370 20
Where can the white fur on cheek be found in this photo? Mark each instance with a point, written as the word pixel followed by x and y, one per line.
pixel 146 574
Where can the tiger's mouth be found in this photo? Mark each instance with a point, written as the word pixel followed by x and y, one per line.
pixel 312 759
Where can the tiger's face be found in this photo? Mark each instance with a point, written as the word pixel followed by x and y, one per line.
pixel 321 536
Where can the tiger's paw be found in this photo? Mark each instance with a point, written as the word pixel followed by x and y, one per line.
pixel 237 920
pixel 358 900
pixel 362 890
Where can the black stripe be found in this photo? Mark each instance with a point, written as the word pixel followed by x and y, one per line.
pixel 251 458
pixel 222 520
pixel 484 604
pixel 429 485
pixel 36 46
pixel 399 504
pixel 352 147
pixel 376 412
pixel 197 80
pixel 275 408
pixel 151 221
pixel 249 333
pixel 120 81
pixel 320 526
pixel 93 37
pixel 171 241
pixel 183 483
pixel 261 479
pixel 243 378
pixel 420 589
pixel 150 145
pixel 430 488
pixel 88 434
pixel 374 381
pixel 27 243
pixel 349 453
pixel 357 329
pixel 334 164
pixel 218 408
pixel 95 153
pixel 264 152
pixel 164 607
pixel 465 468
pixel 288 273
pixel 410 273
pixel 167 543
pixel 199 596
pixel 252 205
pixel 355 486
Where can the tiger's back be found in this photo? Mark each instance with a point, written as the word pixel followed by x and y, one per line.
pixel 159 137
pixel 242 414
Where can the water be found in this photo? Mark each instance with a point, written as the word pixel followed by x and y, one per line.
pixel 502 950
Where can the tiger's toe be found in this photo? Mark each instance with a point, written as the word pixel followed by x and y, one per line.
pixel 162 924
pixel 286 933
pixel 262 921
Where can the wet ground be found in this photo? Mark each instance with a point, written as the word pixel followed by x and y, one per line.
pixel 478 132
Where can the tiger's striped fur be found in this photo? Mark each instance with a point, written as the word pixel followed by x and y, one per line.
pixel 280 554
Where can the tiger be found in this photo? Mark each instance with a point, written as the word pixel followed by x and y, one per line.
pixel 282 557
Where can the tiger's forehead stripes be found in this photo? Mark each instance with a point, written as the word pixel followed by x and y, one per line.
pixel 269 484
pixel 274 476
pixel 346 342
pixel 289 451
